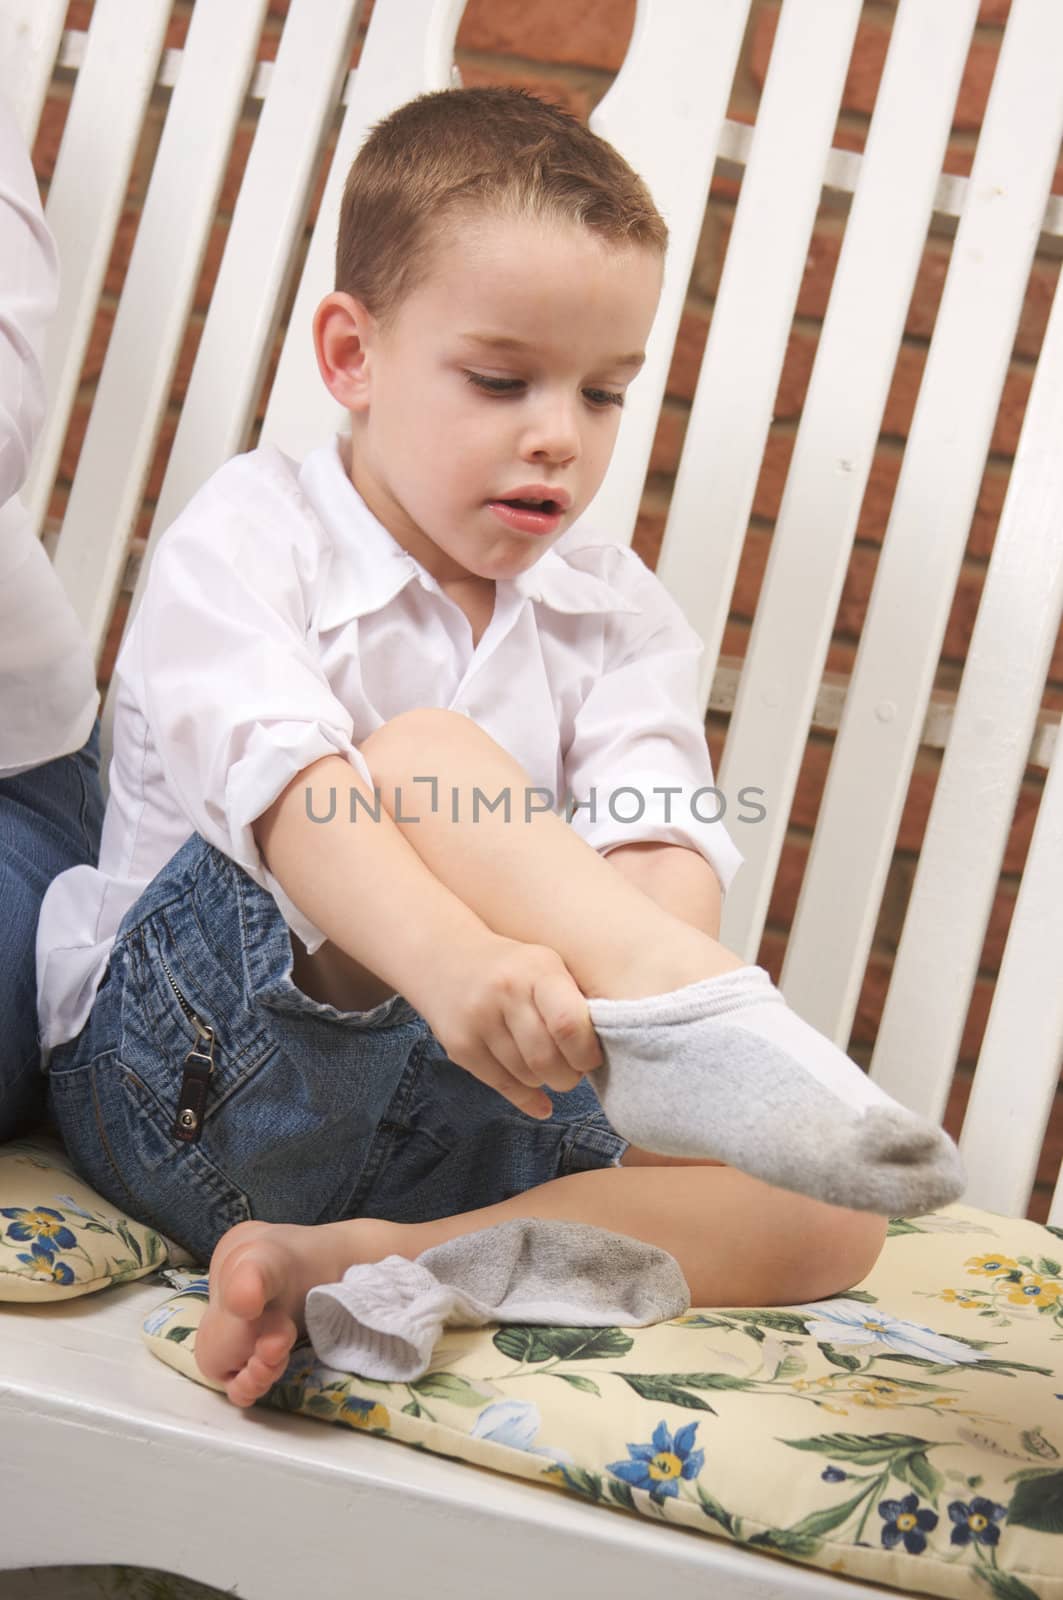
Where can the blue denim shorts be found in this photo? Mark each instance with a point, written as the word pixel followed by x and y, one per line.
pixel 312 1114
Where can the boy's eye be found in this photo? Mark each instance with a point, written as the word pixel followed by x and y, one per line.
pixel 606 397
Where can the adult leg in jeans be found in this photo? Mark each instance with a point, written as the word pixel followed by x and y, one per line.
pixel 762 1245
pixel 50 819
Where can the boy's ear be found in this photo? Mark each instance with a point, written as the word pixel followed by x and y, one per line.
pixel 340 328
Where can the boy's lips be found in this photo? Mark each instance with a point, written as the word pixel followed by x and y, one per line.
pixel 537 491
pixel 525 521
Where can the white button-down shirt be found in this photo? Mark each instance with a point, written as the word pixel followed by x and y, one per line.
pixel 48 696
pixel 281 622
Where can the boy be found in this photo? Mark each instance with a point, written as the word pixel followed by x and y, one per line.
pixel 315 1007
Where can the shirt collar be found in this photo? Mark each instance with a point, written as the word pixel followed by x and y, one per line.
pixel 370 567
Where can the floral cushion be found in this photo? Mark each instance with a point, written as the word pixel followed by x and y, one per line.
pixel 908 1432
pixel 58 1238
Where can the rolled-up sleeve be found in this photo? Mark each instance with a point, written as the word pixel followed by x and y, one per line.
pixel 637 767
pixel 29 284
pixel 236 702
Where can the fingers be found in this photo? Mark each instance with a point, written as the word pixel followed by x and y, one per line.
pixel 564 1012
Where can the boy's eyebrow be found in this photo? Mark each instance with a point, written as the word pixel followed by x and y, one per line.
pixel 504 341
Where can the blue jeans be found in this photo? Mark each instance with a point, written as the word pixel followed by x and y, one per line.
pixel 50 819
pixel 311 1114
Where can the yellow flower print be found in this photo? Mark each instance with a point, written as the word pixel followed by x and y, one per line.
pixel 1034 1291
pixel 991 1266
pixel 965 1300
pixel 874 1392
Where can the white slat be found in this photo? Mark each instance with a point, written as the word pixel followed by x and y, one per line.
pixel 1015 1085
pixel 832 456
pixel 111 93
pixel 923 550
pixel 683 64
pixel 30 33
pixel 746 346
pixel 264 234
pixel 216 66
pixel 407 51
pixel 974 801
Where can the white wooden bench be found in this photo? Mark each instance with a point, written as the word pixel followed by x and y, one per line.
pixel 107 1456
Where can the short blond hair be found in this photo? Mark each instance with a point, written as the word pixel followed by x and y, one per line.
pixel 458 153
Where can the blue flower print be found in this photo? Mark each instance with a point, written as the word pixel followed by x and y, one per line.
pixel 976 1521
pixel 903 1521
pixel 46 1226
pixel 40 1258
pixel 659 1466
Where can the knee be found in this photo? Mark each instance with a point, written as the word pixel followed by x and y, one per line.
pixel 415 732
pixel 847 1246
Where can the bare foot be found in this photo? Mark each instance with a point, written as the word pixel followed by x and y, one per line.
pixel 260 1275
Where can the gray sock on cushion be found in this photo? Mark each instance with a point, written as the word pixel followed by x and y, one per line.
pixel 383 1318
pixel 725 1069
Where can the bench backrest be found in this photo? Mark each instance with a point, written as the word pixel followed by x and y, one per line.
pixel 666 111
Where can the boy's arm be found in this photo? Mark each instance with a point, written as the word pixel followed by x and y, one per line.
pixel 676 877
pixel 363 885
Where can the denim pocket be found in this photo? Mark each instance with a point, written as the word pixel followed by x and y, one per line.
pixel 172 977
pixel 115 1133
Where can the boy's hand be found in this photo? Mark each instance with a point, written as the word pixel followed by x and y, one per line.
pixel 513 1015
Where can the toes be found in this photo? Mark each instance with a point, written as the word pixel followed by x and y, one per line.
pixel 246 1286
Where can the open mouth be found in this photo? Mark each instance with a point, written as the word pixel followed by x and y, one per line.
pixel 551 507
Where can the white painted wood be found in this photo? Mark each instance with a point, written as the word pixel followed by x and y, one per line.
pixel 158 1467
pixel 681 60
pixel 841 175
pixel 153 311
pixel 974 801
pixel 107 107
pixel 260 252
pixel 746 345
pixel 1019 1065
pixel 407 51
pixel 30 34
pixel 921 557
pixel 833 452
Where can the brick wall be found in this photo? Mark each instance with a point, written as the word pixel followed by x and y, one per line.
pixel 570 54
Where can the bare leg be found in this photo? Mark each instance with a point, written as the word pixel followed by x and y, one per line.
pixel 738 1241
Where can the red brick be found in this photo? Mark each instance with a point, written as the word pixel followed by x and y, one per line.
pixel 78 15
pixel 930 280
pixel 865 68
pixel 993 13
pixel 595 33
pixel 668 440
pixel 163 446
pixel 186 360
pixel 774 467
pixel 99 339
pixel 750 575
pixel 687 353
pixel 793 860
pixel 711 249
pixel 904 390
pixel 646 539
pixel 217 239
pixel 177 29
pixel 234 173
pixel 75 438
pixel 112 641
pixel 999 922
pixel 50 133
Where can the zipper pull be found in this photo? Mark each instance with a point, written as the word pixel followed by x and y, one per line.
pixel 191 1102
